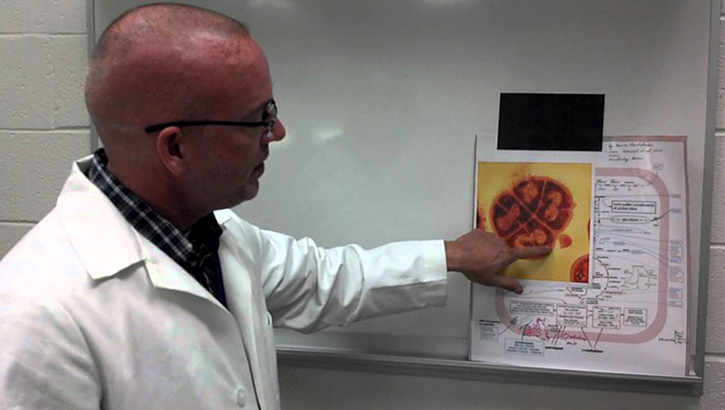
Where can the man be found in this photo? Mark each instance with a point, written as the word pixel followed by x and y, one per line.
pixel 135 292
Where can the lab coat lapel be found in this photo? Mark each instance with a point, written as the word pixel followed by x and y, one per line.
pixel 248 310
pixel 103 240
pixel 165 273
pixel 106 243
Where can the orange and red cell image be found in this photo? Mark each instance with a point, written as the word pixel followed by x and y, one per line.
pixel 530 204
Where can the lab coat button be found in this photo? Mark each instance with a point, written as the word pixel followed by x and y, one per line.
pixel 241 397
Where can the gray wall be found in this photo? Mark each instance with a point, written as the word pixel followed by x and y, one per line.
pixel 43 127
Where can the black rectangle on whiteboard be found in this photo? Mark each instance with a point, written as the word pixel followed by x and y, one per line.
pixel 551 122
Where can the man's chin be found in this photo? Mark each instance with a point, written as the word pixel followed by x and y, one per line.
pixel 250 192
pixel 247 193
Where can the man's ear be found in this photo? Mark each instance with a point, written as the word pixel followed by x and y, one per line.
pixel 170 150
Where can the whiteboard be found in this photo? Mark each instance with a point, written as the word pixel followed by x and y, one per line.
pixel 382 100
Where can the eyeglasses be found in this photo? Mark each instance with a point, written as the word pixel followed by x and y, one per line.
pixel 269 117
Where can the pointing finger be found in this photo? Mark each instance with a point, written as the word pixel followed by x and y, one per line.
pixel 531 252
pixel 507 283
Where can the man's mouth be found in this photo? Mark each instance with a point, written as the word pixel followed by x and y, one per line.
pixel 258 170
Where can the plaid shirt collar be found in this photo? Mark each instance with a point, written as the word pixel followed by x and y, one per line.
pixel 192 252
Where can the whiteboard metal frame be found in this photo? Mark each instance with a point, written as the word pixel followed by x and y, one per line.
pixel 707 187
pixel 464 369
pixel 467 370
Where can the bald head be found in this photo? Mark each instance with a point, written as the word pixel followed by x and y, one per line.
pixel 161 22
pixel 162 63
pixel 165 63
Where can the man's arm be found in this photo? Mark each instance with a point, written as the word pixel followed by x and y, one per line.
pixel 308 287
pixel 481 256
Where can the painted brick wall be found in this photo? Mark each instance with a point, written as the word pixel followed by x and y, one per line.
pixel 43 123
pixel 44 126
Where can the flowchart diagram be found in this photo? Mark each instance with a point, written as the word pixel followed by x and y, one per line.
pixel 631 314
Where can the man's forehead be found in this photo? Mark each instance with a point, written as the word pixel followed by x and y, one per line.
pixel 199 57
pixel 237 72
pixel 203 40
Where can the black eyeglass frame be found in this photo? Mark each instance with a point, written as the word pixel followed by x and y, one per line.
pixel 269 124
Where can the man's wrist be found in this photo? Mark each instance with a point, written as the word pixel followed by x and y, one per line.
pixel 451 256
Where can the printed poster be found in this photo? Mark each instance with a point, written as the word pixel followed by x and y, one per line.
pixel 630 315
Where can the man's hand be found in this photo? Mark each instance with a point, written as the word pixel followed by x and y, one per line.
pixel 481 256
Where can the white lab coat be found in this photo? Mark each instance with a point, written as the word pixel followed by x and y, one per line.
pixel 92 315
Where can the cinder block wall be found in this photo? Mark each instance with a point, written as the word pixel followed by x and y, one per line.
pixel 44 127
pixel 43 123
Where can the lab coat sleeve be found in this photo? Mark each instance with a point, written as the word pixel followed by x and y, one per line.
pixel 44 360
pixel 308 287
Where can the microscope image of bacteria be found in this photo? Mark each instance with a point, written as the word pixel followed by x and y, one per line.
pixel 534 211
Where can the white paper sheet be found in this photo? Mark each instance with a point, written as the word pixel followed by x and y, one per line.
pixel 631 316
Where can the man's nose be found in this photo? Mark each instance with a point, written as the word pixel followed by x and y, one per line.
pixel 278 132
